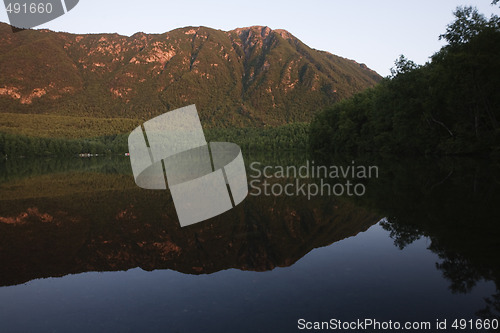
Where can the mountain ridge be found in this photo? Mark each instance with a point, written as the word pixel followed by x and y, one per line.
pixel 252 76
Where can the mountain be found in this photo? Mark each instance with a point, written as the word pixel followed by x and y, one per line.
pixel 251 76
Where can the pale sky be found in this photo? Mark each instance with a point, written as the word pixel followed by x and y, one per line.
pixel 368 31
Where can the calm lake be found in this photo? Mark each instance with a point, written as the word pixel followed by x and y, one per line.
pixel 83 249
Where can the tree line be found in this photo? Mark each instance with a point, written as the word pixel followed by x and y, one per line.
pixel 450 105
pixel 287 137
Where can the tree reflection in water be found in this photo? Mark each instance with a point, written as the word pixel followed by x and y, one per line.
pixel 71 216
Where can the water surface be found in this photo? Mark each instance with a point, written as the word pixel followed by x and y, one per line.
pixel 84 249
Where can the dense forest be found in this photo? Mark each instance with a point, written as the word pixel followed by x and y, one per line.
pixel 287 137
pixel 450 105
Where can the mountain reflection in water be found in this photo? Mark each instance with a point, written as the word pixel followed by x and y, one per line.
pixel 92 217
pixel 60 217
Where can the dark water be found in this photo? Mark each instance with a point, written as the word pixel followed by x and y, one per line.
pixel 83 249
